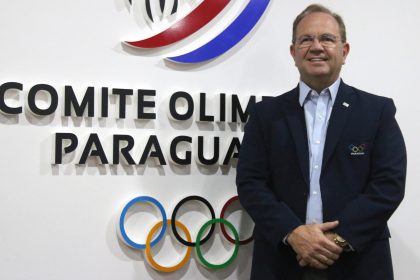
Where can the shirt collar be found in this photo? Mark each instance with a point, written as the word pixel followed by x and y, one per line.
pixel 304 90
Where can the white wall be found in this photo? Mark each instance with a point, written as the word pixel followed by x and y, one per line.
pixel 58 222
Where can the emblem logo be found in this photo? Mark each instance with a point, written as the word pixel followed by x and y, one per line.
pixel 198 18
pixel 357 150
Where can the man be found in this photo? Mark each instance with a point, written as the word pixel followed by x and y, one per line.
pixel 322 167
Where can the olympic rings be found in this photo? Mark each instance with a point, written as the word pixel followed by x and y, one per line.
pixel 357 149
pixel 174 224
pixel 222 226
pixel 149 256
pixel 173 218
pixel 198 248
pixel 124 213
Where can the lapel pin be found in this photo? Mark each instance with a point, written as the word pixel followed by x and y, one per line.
pixel 345 104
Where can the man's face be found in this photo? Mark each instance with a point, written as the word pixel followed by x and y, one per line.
pixel 319 60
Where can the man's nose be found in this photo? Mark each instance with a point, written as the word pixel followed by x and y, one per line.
pixel 316 45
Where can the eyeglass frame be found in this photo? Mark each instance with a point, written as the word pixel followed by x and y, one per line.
pixel 321 39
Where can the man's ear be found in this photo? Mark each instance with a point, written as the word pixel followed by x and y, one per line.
pixel 293 52
pixel 346 50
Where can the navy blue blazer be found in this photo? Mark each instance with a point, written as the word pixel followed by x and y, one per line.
pixel 362 181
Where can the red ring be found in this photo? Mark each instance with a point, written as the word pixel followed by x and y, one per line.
pixel 222 216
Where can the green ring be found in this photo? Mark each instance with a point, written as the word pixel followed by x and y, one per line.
pixel 198 250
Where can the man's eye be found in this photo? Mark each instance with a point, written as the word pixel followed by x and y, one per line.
pixel 306 39
pixel 327 39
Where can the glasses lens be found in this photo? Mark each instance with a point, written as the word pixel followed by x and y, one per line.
pixel 326 40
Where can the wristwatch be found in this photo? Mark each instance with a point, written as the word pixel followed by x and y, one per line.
pixel 340 241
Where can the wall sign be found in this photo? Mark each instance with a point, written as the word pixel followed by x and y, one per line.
pixel 95 102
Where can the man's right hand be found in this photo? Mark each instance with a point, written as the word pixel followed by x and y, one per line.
pixel 312 247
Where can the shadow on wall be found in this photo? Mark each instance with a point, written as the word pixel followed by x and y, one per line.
pixel 407 267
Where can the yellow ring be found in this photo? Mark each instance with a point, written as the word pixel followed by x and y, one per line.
pixel 149 256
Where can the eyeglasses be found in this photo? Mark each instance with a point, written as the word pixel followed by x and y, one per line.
pixel 326 40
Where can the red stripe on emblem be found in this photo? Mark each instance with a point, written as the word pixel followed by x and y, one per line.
pixel 198 18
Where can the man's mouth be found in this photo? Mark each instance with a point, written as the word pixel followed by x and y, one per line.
pixel 315 59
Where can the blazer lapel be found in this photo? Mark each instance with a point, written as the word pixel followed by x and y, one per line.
pixel 295 116
pixel 341 111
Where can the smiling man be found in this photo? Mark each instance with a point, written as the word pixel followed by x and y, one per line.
pixel 322 167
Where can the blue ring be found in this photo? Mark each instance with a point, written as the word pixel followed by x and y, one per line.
pixel 124 235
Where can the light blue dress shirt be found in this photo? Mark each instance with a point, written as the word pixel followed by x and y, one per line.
pixel 317 107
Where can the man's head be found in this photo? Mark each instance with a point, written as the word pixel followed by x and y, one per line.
pixel 319 47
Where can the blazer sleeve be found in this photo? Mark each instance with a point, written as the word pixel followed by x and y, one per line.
pixel 365 218
pixel 273 218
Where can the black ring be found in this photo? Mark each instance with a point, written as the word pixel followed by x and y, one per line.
pixel 173 218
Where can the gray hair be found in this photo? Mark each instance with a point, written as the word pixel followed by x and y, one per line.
pixel 316 8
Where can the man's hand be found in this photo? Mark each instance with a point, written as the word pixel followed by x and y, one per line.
pixel 330 235
pixel 313 246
